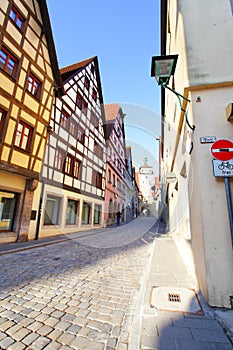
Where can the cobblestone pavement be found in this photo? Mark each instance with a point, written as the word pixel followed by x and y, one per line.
pixel 71 296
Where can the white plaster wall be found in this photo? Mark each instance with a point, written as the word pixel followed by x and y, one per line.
pixel 201 33
pixel 210 120
pixel 208 40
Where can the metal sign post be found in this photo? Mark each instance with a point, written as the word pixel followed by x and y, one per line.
pixel 223 167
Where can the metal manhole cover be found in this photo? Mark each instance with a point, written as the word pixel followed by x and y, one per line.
pixel 175 299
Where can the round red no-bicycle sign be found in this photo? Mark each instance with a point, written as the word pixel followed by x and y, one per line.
pixel 222 150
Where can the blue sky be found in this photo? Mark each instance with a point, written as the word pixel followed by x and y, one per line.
pixel 124 35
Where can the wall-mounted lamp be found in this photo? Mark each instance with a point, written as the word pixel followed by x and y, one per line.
pixel 229 112
pixel 162 68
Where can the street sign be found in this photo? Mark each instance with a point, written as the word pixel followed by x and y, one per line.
pixel 223 169
pixel 171 177
pixel 222 150
pixel 208 139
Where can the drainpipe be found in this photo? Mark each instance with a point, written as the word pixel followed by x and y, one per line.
pixel 21 212
pixel 39 210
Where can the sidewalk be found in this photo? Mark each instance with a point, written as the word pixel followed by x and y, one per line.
pixel 173 314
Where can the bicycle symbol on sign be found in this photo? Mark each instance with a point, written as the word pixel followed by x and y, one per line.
pixel 225 165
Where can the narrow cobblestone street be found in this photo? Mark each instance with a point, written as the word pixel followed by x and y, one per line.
pixel 72 296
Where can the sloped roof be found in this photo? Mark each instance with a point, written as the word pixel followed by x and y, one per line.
pixel 111 111
pixel 76 66
pixel 68 71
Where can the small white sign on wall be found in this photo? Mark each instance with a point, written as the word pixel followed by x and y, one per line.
pixel 223 168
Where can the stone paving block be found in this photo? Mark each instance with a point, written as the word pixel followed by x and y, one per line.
pixel 80 321
pixel 63 325
pixel 74 329
pixel 60 307
pixel 25 321
pixel 17 346
pixel 35 326
pixel 48 310
pixel 84 331
pixel 124 337
pixel 79 342
pixel 68 317
pixel 94 345
pixel 51 321
pixel 2 335
pixel 23 332
pixel 6 342
pixel 55 334
pixel 42 317
pixel 66 338
pixel 13 329
pixel 6 325
pixel 30 338
pixel 53 346
pixel 39 343
pixel 122 346
pixel 95 324
pixel 111 342
pixel 45 330
pixel 57 314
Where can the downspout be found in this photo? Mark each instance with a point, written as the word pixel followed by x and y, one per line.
pixel 21 212
pixel 39 210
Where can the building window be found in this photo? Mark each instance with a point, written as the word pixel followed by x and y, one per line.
pixel 84 107
pixel 52 210
pixel 59 160
pixel 87 83
pixel 97 212
pixel 23 138
pixel 17 18
pixel 72 212
pixel 64 120
pixel 114 180
pixel 109 176
pixel 94 94
pixel 86 213
pixel 72 166
pixel 8 62
pixel 98 150
pixel 73 128
pixel 34 86
pixel 2 120
pixel 97 179
pixel 79 101
pixel 81 135
pixel 8 201
pixel 94 120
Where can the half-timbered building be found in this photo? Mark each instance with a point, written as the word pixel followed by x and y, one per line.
pixel 115 167
pixel 73 178
pixel 28 74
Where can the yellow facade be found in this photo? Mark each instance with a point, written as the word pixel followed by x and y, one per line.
pixel 25 111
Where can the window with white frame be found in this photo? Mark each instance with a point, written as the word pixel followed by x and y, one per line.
pixel 52 210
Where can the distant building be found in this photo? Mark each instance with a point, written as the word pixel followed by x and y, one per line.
pixel 131 193
pixel 115 168
pixel 73 178
pixel 146 178
pixel 29 76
